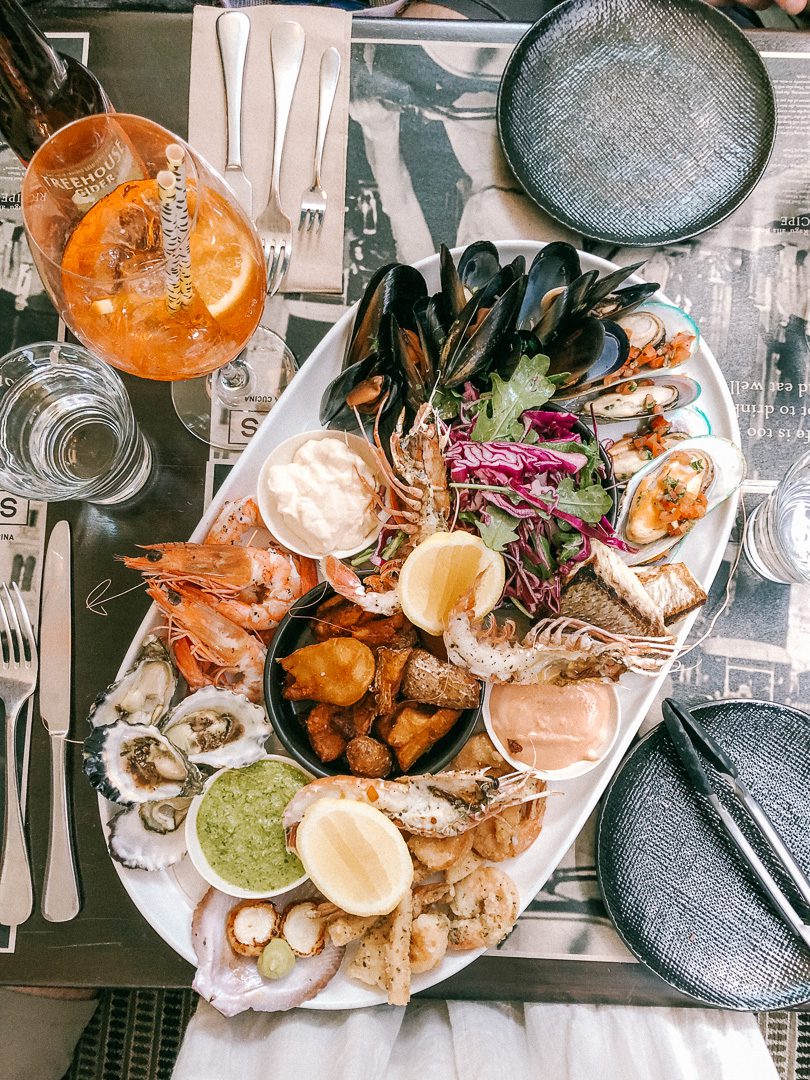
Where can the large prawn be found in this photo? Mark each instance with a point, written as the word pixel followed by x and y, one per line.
pixel 560 649
pixel 209 647
pixel 444 804
pixel 253 587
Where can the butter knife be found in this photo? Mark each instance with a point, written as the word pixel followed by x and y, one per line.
pixel 233 31
pixel 60 898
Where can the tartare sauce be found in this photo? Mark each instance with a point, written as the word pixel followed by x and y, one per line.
pixel 551 727
pixel 324 496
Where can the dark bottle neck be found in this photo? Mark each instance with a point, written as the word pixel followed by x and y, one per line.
pixel 30 69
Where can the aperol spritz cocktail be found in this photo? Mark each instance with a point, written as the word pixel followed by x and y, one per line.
pixel 96 237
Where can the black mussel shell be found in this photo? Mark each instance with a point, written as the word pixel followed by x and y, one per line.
pixel 555 266
pixel 453 294
pixel 615 350
pixel 622 300
pixel 575 350
pixel 610 282
pixel 409 355
pixel 395 288
pixel 333 401
pixel 478 264
pixel 431 329
pixel 493 335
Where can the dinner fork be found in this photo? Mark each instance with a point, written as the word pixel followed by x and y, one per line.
pixel 19 666
pixel 274 227
pixel 313 201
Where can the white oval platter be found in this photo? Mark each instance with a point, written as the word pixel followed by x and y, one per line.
pixel 167 898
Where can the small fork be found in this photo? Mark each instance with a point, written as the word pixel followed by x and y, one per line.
pixel 274 227
pixel 313 201
pixel 19 666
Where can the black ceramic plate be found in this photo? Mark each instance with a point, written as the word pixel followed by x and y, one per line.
pixel 679 893
pixel 636 122
pixel 294 632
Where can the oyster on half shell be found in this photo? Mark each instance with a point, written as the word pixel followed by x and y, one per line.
pixel 135 763
pixel 218 728
pixel 144 694
pixel 150 836
pixel 655 513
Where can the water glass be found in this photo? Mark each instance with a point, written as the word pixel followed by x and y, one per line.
pixel 66 427
pixel 777 536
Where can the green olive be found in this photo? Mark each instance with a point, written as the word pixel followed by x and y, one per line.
pixel 277 959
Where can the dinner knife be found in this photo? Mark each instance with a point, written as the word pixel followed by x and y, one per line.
pixel 60 898
pixel 728 771
pixel 233 32
pixel 700 780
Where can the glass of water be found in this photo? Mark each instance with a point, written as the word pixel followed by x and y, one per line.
pixel 777 536
pixel 66 427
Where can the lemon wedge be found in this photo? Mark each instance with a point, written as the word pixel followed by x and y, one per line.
pixel 354 855
pixel 441 570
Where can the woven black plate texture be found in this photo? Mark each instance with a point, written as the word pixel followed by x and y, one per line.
pixel 678 892
pixel 636 122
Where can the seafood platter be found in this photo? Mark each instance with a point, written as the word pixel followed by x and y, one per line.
pixel 383 686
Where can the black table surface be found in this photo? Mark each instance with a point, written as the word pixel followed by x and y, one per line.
pixel 110 943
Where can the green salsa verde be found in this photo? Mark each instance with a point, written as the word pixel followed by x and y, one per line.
pixel 240 830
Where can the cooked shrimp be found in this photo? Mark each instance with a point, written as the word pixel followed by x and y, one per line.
pixel 345 582
pixel 509 833
pixel 485 907
pixel 227 654
pixel 439 852
pixel 552 649
pixel 235 520
pixel 253 587
pixel 442 804
pixel 429 936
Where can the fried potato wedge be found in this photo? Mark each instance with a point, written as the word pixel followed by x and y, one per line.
pixel 388 678
pixel 334 672
pixel 416 728
pixel 325 738
pixel 437 682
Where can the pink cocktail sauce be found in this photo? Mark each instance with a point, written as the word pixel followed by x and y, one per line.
pixel 551 727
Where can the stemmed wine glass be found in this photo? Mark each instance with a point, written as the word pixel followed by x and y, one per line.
pixel 148 258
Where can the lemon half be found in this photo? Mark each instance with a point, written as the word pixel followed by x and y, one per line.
pixel 354 855
pixel 443 569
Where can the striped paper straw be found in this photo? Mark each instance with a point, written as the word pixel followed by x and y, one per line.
pixel 175 155
pixel 168 224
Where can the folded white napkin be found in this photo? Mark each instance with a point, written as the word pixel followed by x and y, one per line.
pixel 466 1040
pixel 317 260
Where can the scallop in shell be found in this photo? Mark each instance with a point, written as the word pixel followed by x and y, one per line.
pixel 219 728
pixel 628 454
pixel 144 694
pixel 652 516
pixel 149 836
pixel 655 323
pixel 635 398
pixel 135 763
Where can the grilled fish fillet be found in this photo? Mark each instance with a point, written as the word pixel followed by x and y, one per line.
pixel 673 589
pixel 604 591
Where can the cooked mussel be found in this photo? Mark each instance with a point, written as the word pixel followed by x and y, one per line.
pixel 633 399
pixel 615 303
pixel 656 324
pixel 651 438
pixel 666 498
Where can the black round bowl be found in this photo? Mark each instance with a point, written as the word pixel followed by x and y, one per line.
pixel 293 633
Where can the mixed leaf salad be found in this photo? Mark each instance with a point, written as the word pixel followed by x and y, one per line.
pixel 527 481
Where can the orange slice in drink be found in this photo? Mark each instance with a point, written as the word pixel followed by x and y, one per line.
pixel 221 261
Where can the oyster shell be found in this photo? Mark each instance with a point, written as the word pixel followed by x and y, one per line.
pixel 219 728
pixel 135 763
pixel 149 836
pixel 633 399
pixel 706 465
pixel 144 694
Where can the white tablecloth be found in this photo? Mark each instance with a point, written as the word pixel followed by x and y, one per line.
pixel 458 1040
